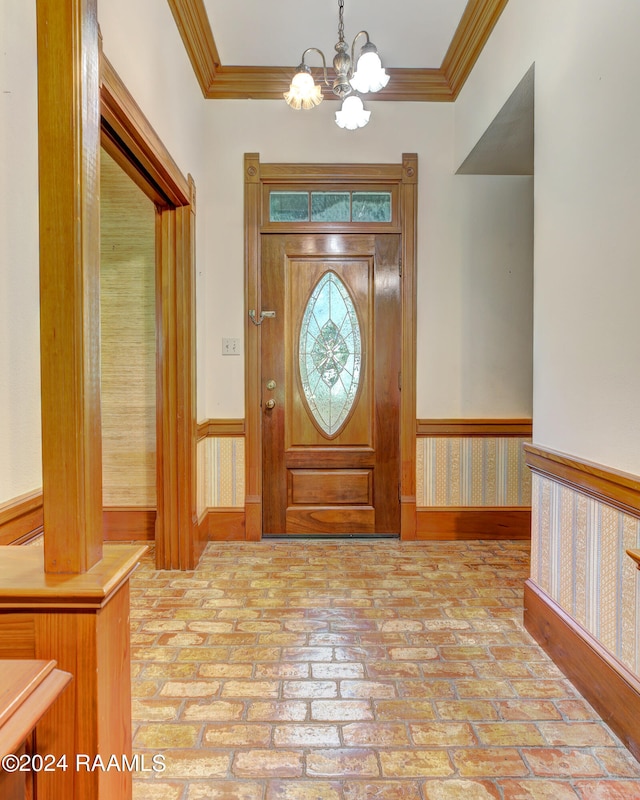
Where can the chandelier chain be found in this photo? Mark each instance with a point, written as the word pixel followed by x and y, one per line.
pixel 341 20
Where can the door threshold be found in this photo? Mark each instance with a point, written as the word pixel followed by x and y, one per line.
pixel 286 536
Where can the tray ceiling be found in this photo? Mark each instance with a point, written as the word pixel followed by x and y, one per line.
pixel 408 33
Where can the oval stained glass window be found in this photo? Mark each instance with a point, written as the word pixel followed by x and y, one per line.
pixel 330 353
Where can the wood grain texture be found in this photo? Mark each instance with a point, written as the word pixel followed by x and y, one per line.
pixel 635 555
pixel 404 178
pixel 17 635
pixel 253 345
pixel 135 142
pixel 226 525
pixel 220 427
pixel 128 339
pixel 81 621
pixel 131 134
pixel 612 689
pixel 129 524
pixel 334 487
pixel 474 427
pixel 29 688
pixel 24 584
pixel 408 357
pixel 336 521
pixel 269 83
pixel 368 265
pixel 613 487
pixel 68 146
pixel 21 519
pixel 467 522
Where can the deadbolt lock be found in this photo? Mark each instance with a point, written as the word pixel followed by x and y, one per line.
pixel 271 385
pixel 270 403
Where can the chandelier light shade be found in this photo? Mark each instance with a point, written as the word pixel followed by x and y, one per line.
pixel 352 115
pixel 369 76
pixel 304 92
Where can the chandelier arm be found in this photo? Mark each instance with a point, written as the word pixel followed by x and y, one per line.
pixel 324 63
pixel 353 47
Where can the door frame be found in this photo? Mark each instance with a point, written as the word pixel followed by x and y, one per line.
pixel 129 139
pixel 402 180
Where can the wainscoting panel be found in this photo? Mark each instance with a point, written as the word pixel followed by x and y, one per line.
pixel 21 518
pixel 477 471
pixel 582 601
pixel 578 558
pixel 221 464
pixel 472 480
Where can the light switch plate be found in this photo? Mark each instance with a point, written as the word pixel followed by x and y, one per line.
pixel 230 347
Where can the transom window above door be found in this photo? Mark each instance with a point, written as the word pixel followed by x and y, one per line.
pixel 339 207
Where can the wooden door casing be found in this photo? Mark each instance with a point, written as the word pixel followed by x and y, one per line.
pixel 347 483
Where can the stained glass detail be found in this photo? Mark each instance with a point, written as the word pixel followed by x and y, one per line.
pixel 371 207
pixel 330 353
pixel 289 206
pixel 330 206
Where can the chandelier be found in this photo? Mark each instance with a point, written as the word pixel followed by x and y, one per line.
pixel 369 76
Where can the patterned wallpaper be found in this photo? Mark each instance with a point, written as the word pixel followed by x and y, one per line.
pixel 578 557
pixel 472 471
pixel 220 472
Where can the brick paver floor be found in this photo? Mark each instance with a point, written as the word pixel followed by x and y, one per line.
pixel 357 670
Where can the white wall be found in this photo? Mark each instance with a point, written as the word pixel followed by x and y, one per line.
pixel 142 42
pixel 587 195
pixel 20 452
pixel 208 140
pixel 474 250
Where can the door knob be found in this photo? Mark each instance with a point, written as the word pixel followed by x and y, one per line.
pixel 270 403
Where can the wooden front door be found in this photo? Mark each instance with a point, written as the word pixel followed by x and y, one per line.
pixel 330 395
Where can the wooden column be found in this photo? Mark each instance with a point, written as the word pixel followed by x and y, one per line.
pixel 409 215
pixel 70 602
pixel 68 144
pixel 253 440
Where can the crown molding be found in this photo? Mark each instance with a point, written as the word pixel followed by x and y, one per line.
pixel 195 30
pixel 478 20
pixel 269 83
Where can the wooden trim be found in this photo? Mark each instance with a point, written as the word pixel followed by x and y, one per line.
pixel 635 555
pixel 478 20
pixel 611 688
pixel 21 519
pixel 128 524
pixel 269 83
pixel 474 522
pixel 408 356
pixel 253 342
pixel 225 525
pixel 195 30
pixel 24 584
pixel 618 489
pixel 322 174
pixel 405 176
pixel 130 136
pixel 29 689
pixel 474 427
pixel 220 427
pixel 69 225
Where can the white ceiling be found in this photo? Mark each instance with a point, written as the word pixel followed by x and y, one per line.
pixel 408 33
